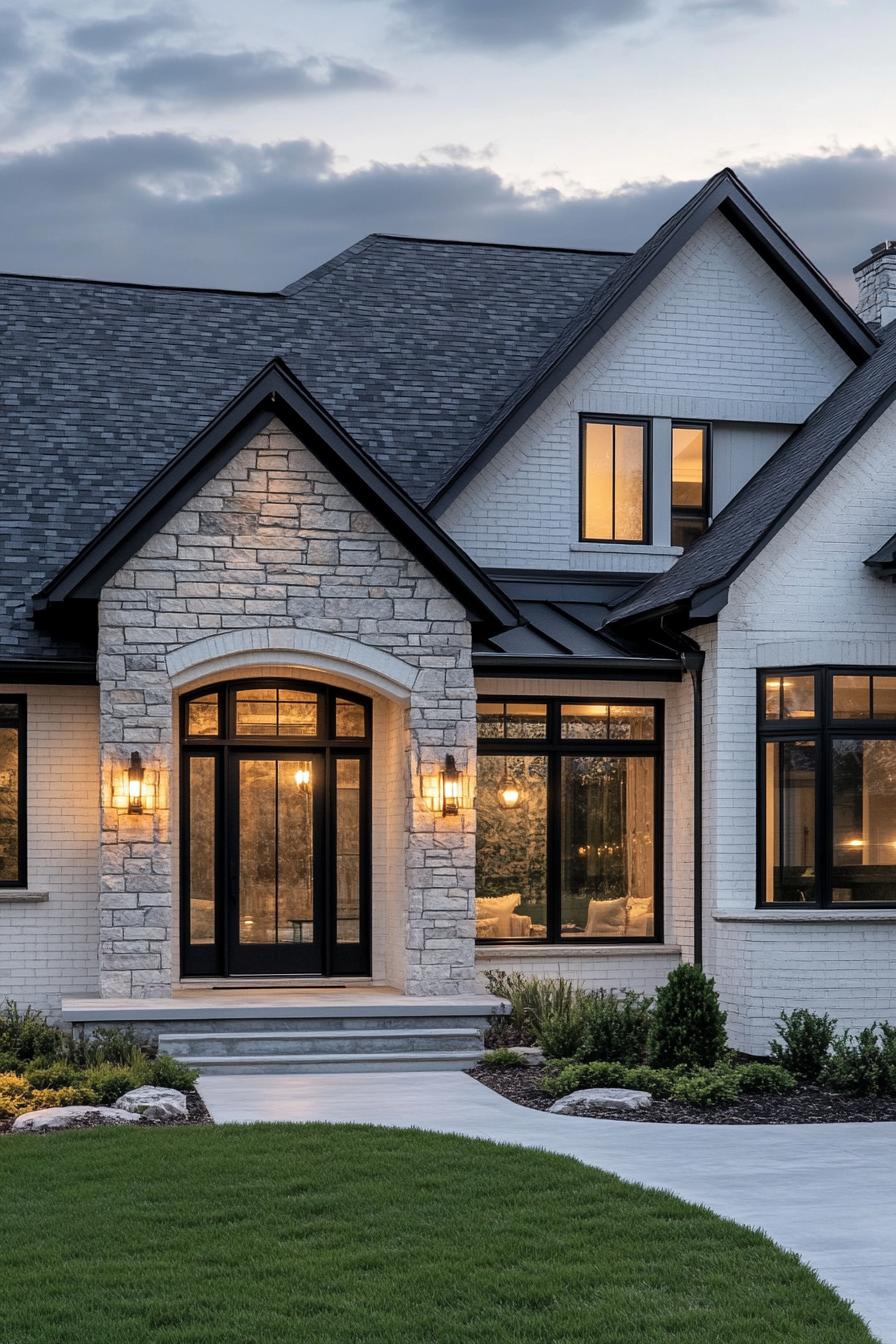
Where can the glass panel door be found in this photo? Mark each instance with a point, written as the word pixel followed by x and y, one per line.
pixel 274 915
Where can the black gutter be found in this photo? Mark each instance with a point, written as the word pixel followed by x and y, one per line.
pixel 48 671
pixel 569 665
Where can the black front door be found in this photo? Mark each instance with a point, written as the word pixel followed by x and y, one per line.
pixel 275 831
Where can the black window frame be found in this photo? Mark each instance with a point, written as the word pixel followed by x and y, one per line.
pixel 554 747
pixel 822 729
pixel 20 723
pixel 588 418
pixel 704 513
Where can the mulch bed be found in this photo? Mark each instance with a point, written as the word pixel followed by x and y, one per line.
pixel 807 1106
pixel 196 1115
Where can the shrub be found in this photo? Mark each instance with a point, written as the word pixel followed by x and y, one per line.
pixel 805 1043
pixel 107 1045
pixel 856 1064
pixel 503 1059
pixel 707 1087
pixel 533 1000
pixel 658 1082
pixel 28 1035
pixel 560 1032
pixel 13 1090
pixel 108 1082
pixel 888 1060
pixel 615 1027
pixel 164 1071
pixel 688 1026
pixel 765 1079
pixel 60 1074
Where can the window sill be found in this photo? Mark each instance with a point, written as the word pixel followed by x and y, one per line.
pixel 626 548
pixel 826 916
pixel 18 896
pixel 551 951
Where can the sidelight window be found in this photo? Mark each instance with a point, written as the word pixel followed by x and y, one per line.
pixel 12 791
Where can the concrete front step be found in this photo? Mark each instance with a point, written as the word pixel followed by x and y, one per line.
pixel 347 1041
pixel 387 1061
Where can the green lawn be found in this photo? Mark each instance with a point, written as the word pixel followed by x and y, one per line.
pixel 354 1235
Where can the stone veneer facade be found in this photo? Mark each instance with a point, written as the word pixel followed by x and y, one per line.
pixel 275 542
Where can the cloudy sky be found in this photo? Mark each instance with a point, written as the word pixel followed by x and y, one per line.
pixel 219 142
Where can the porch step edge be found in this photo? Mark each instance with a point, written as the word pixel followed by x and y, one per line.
pixel 399 1062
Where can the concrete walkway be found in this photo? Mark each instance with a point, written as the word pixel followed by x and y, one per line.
pixel 827 1192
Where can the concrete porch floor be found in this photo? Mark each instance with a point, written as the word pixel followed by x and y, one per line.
pixel 313 1000
pixel 827 1192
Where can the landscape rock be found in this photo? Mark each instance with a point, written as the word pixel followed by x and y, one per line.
pixel 603 1099
pixel 154 1103
pixel 67 1117
pixel 532 1055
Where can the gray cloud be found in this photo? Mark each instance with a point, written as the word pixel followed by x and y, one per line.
pixel 13 43
pixel 500 24
pixel 242 77
pixel 108 37
pixel 174 209
pixel 735 9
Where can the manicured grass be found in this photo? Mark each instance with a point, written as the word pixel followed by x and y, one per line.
pixel 355 1235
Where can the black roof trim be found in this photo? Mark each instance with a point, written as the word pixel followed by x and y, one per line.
pixel 569 665
pixel 275 391
pixel 723 192
pixel 48 671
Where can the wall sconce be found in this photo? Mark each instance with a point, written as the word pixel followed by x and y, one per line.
pixel 448 790
pixel 302 776
pixel 135 792
pixel 510 794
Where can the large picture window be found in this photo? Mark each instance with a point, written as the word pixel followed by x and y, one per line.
pixel 12 791
pixel 567 804
pixel 827 787
pixel 614 480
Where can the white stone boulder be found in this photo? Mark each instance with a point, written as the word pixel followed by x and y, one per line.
pixel 603 1099
pixel 531 1055
pixel 154 1103
pixel 67 1117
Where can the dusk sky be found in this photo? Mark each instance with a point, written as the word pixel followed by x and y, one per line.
pixel 235 144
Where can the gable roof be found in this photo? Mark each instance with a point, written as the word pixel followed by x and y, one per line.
pixel 276 392
pixel 408 342
pixel 697 584
pixel 724 192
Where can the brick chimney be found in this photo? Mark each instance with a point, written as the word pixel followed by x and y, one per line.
pixel 876 277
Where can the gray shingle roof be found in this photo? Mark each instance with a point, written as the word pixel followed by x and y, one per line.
pixel 770 497
pixel 409 343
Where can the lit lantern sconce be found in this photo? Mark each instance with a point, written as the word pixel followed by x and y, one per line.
pixel 448 791
pixel 135 793
pixel 510 795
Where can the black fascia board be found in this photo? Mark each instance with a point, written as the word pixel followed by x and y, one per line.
pixel 727 194
pixel 275 391
pixel 49 671
pixel 573 665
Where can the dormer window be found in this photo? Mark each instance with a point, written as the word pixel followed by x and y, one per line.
pixel 690 482
pixel 614 480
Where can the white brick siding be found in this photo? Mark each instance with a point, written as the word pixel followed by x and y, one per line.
pixel 49 948
pixel 717 336
pixel 806 599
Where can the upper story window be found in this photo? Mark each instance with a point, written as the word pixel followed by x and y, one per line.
pixel 827 787
pixel 12 791
pixel 690 482
pixel 614 480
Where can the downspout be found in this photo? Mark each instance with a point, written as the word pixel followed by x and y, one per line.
pixel 692 660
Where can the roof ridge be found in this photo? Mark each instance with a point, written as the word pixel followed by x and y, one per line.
pixel 518 247
pixel 331 264
pixel 141 284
